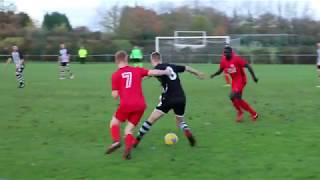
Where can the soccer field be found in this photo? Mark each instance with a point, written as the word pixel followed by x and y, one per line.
pixel 58 129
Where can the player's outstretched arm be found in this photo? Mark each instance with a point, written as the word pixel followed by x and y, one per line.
pixel 156 72
pixel 195 72
pixel 216 73
pixel 253 75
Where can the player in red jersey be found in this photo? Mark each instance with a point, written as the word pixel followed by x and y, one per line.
pixel 127 85
pixel 234 65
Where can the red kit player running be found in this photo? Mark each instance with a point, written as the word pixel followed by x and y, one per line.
pixel 234 65
pixel 127 85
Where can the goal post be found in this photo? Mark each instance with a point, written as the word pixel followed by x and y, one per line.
pixel 225 39
pixel 191 49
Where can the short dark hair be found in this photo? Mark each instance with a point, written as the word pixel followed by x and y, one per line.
pixel 228 48
pixel 156 55
pixel 121 55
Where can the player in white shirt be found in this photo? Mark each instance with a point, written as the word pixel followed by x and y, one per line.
pixel 318 61
pixel 64 60
pixel 18 60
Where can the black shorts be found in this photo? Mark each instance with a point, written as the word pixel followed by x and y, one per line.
pixel 136 60
pixel 64 64
pixel 318 66
pixel 177 104
pixel 20 69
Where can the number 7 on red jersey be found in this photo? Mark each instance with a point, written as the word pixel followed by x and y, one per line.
pixel 128 77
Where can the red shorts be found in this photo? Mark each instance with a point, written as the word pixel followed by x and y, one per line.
pixel 238 87
pixel 133 117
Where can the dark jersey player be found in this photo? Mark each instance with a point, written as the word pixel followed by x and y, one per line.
pixel 173 97
pixel 234 65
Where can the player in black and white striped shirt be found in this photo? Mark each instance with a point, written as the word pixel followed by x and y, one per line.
pixel 64 60
pixel 18 60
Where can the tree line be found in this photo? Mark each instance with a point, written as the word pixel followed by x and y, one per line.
pixel 126 26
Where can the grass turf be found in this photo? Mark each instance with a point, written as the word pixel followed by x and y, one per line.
pixel 58 129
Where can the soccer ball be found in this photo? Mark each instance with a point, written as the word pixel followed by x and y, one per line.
pixel 170 139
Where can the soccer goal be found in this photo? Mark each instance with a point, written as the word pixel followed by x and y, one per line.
pixel 191 49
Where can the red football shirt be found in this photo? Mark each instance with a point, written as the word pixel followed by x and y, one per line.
pixel 128 82
pixel 234 67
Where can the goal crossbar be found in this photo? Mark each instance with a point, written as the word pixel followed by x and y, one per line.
pixel 227 39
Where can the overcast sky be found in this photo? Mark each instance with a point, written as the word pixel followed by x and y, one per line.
pixel 84 12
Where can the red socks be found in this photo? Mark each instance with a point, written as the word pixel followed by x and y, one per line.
pixel 187 133
pixel 247 107
pixel 237 105
pixel 129 140
pixel 115 133
pixel 240 103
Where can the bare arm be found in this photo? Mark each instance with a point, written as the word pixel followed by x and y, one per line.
pixel 195 72
pixel 255 79
pixel 115 94
pixel 156 72
pixel 216 73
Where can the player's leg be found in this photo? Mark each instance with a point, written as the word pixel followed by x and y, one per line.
pixel 62 70
pixel 145 128
pixel 179 110
pixel 115 123
pixel 162 108
pixel 246 106
pixel 186 129
pixel 133 120
pixel 235 98
pixel 115 135
pixel 19 75
pixel 68 70
pixel 129 140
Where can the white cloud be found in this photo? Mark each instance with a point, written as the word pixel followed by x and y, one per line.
pixel 79 12
pixel 82 12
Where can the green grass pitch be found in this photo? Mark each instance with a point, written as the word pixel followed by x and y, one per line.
pixel 58 129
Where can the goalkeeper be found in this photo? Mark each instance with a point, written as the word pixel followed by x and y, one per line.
pixel 136 56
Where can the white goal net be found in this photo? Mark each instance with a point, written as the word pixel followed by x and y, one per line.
pixel 192 49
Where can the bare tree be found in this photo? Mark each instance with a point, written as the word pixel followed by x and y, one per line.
pixel 291 9
pixel 306 10
pixel 111 18
pixel 280 8
pixel 6 6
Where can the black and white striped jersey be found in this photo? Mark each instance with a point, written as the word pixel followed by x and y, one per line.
pixel 64 55
pixel 17 56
